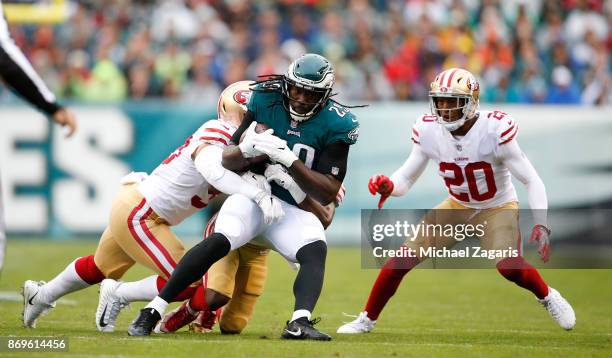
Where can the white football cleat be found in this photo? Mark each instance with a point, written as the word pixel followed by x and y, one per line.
pixel 361 324
pixel 109 305
pixel 33 307
pixel 559 309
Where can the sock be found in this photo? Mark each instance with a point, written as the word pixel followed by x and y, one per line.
pixel 309 280
pixel 299 314
pixel 197 302
pixel 194 264
pixel 387 282
pixel 182 296
pixel 79 274
pixel 159 304
pixel 143 290
pixel 519 271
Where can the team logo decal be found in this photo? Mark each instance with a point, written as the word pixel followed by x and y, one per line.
pixel 354 134
pixel 459 147
pixel 293 124
pixel 472 84
pixel 243 96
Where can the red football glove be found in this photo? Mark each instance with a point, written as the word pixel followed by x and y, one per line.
pixel 541 233
pixel 382 185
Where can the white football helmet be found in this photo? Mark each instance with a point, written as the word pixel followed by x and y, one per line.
pixel 232 104
pixel 455 83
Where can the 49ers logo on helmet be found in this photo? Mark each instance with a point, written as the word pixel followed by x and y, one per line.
pixel 472 84
pixel 242 96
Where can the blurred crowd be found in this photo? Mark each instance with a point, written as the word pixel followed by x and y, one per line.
pixel 525 51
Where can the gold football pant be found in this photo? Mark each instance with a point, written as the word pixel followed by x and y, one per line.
pixel 501 229
pixel 136 234
pixel 240 275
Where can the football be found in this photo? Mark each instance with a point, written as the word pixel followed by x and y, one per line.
pixel 260 127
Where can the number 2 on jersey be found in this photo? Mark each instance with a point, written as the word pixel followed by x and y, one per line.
pixel 469 173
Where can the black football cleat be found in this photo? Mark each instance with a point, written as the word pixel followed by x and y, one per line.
pixel 302 328
pixel 145 322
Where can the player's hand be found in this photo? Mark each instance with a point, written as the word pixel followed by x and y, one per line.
pixel 270 206
pixel 541 234
pixel 277 150
pixel 257 180
pixel 340 195
pixel 280 176
pixel 247 145
pixel 382 185
pixel 66 118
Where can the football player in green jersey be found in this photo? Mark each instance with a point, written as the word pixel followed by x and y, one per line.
pixel 309 137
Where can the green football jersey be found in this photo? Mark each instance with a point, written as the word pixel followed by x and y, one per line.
pixel 306 139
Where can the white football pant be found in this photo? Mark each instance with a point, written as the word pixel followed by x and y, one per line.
pixel 241 220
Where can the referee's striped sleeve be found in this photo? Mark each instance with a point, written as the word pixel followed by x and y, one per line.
pixel 19 74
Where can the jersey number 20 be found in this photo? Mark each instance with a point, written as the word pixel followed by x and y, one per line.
pixel 468 173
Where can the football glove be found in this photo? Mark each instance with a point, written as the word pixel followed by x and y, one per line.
pixel 340 195
pixel 277 150
pixel 541 234
pixel 382 185
pixel 279 174
pixel 257 180
pixel 247 146
pixel 270 206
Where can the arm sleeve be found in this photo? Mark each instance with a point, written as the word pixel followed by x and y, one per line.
pixel 19 75
pixel 333 160
pixel 404 177
pixel 208 163
pixel 520 167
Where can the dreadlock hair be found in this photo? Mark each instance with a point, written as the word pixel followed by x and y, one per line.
pixel 274 83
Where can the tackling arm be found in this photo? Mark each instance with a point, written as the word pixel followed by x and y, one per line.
pixel 207 159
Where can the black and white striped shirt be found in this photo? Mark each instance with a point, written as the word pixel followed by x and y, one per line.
pixel 19 75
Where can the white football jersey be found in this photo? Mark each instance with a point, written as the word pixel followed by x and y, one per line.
pixel 175 189
pixel 470 166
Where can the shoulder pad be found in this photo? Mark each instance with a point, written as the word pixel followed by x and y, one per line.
pixel 215 132
pixel 421 124
pixel 504 126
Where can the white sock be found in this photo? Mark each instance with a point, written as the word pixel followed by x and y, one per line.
pixel 143 290
pixel 158 304
pixel 64 283
pixel 299 314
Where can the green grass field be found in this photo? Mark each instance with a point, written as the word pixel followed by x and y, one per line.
pixel 435 313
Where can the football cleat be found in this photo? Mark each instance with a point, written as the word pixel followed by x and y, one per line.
pixel 176 319
pixel 302 328
pixel 559 309
pixel 205 321
pixel 145 322
pixel 33 307
pixel 361 324
pixel 109 306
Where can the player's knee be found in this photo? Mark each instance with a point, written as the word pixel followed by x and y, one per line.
pixel 314 252
pixel 215 300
